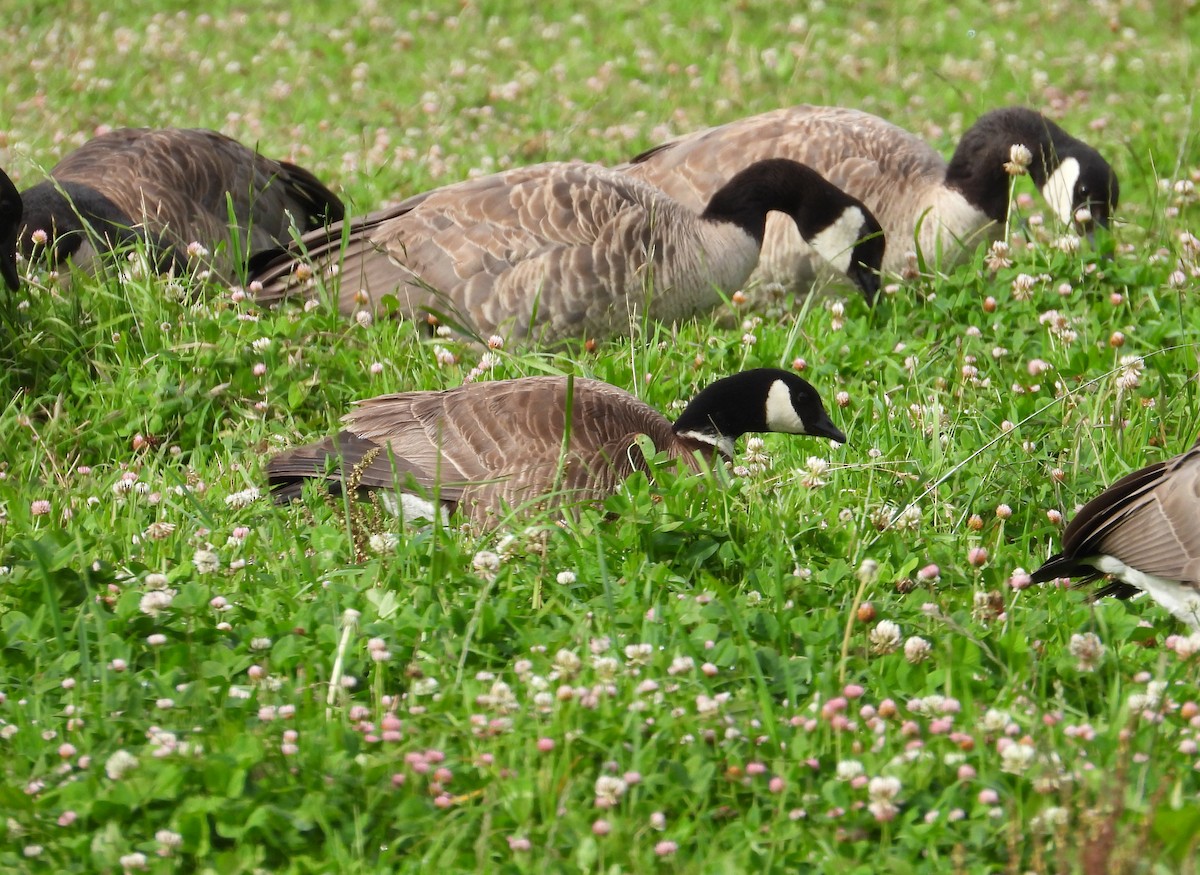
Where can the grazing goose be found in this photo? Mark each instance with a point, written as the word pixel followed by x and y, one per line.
pixel 1144 530
pixel 488 447
pixel 168 188
pixel 571 250
pixel 903 181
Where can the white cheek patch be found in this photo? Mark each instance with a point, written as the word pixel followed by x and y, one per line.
pixel 781 413
pixel 835 243
pixel 1059 190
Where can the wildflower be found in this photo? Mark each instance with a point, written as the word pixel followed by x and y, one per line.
pixel 156 580
pixel 196 250
pixel 565 578
pixel 206 561
pixel 885 637
pixel 156 601
pixel 665 848
pixel 882 790
pixel 168 840
pixel 486 564
pixel 1017 757
pixel 868 572
pixel 519 844
pixel 1088 649
pixel 1130 375
pixel 40 507
pixel 639 654
pixel 1019 159
pixel 997 257
pixel 242 499
pixel 119 764
pixel 917 649
pixel 848 770
pixel 1022 287
pixel 383 542
pixel 609 790
pixel 158 531
pixel 815 470
pixel 977 556
pixel 1020 579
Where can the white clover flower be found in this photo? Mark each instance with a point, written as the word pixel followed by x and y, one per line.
pixel 120 763
pixel 1088 649
pixel 383 542
pixel 909 519
pixel 917 649
pixel 605 667
pixel 565 578
pixel 883 788
pixel 1017 757
pixel 206 562
pixel 639 654
pixel 137 860
pixel 998 256
pixel 1130 375
pixel 485 563
pixel 681 665
pixel 156 580
pixel 1019 159
pixel 1022 287
pixel 424 686
pixel 567 663
pixel 242 499
pixel 995 721
pixel 848 770
pixel 708 706
pixel 609 790
pixel 885 637
pixel 156 601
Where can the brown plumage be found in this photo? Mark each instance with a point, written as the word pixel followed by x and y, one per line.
pixel 1145 531
pixel 166 188
pixel 901 179
pixel 572 250
pixel 487 448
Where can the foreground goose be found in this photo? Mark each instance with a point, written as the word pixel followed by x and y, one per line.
pixel 575 250
pixel 489 447
pixel 168 189
pixel 1144 530
pixel 903 181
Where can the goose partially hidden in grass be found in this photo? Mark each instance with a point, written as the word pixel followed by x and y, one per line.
pixel 568 250
pixel 165 189
pixel 1144 530
pixel 485 448
pixel 944 209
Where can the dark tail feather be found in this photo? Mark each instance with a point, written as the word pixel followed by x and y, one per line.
pixel 325 207
pixel 325 460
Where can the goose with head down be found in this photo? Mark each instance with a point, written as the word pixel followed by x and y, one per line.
pixel 487 448
pixel 165 189
pixel 572 250
pixel 943 209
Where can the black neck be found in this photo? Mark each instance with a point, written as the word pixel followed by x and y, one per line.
pixel 65 210
pixel 774 184
pixel 730 407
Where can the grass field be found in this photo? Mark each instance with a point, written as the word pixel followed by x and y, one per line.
pixel 831 665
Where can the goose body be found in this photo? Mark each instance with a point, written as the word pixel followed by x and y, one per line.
pixel 168 188
pixel 1143 530
pixel 943 209
pixel 571 249
pixel 486 448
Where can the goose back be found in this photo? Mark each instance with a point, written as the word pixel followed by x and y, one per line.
pixel 176 186
pixel 484 447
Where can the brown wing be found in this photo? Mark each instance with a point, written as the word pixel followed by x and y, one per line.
pixel 493 446
pixel 563 247
pixel 895 173
pixel 192 183
pixel 1149 519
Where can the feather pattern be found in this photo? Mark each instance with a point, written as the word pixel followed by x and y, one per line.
pixel 488 448
pixel 561 250
pixel 169 188
pixel 1149 520
pixel 922 202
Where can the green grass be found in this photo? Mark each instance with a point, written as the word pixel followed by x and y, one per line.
pixel 712 648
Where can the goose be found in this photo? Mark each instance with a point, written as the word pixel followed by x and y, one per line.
pixel 168 188
pixel 565 250
pixel 1143 530
pixel 484 448
pixel 901 179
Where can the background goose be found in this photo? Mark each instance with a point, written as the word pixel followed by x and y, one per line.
pixel 571 249
pixel 487 446
pixel 168 188
pixel 899 177
pixel 1143 530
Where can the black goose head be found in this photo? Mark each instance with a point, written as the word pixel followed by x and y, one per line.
pixel 1070 174
pixel 763 399
pixel 11 211
pixel 839 227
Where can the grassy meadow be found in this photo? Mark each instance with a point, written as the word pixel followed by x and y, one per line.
pixel 830 663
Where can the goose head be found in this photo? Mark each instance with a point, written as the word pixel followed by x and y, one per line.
pixel 10 227
pixel 838 226
pixel 1078 184
pixel 758 400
